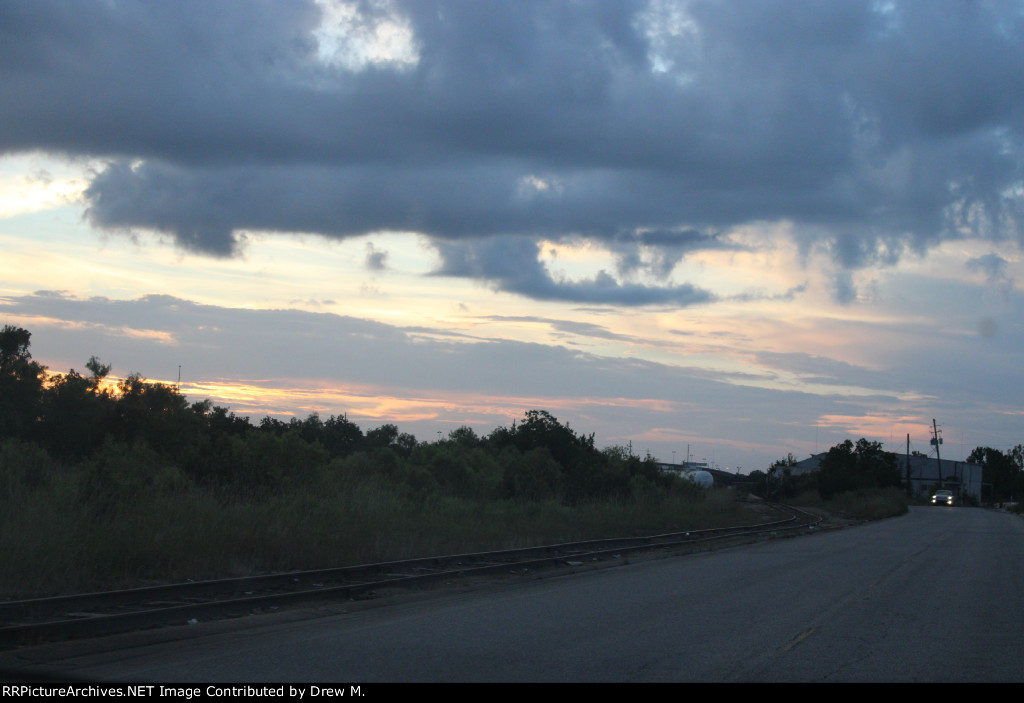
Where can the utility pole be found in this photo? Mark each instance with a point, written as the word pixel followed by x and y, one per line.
pixel 909 492
pixel 936 441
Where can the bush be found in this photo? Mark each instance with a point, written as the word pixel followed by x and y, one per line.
pixel 533 476
pixel 869 504
pixel 23 467
pixel 120 475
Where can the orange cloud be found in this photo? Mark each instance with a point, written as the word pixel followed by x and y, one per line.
pixel 878 425
pixel 266 396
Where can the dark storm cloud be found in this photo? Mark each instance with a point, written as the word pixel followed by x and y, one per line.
pixel 875 128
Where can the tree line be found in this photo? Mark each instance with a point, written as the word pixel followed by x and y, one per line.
pixel 137 432
pixel 80 419
pixel 863 465
pixel 846 467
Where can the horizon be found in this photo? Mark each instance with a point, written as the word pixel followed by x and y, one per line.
pixel 751 229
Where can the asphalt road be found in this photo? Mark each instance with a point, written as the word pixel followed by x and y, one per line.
pixel 936 595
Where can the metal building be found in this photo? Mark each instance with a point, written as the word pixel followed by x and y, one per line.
pixel 960 477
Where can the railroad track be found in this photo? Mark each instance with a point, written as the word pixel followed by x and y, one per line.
pixel 93 614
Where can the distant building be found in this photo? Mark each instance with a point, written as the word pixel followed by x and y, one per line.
pixel 959 476
pixel 682 468
pixel 721 478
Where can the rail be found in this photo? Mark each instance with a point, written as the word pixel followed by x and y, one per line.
pixel 93 614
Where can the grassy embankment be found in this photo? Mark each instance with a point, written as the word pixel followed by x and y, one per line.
pixel 60 533
pixel 66 529
pixel 867 504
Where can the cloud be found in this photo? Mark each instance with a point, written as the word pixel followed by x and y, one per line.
pixel 300 362
pixel 658 251
pixel 994 268
pixel 512 264
pixel 988 327
pixel 568 328
pixel 315 349
pixel 376 259
pixel 815 369
pixel 843 288
pixel 876 129
pixel 297 361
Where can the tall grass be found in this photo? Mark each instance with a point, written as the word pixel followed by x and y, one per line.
pixel 872 504
pixel 865 504
pixel 66 531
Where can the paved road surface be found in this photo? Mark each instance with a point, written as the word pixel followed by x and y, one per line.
pixel 937 595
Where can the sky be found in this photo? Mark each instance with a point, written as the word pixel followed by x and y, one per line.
pixel 727 231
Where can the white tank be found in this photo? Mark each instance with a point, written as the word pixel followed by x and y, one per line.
pixel 702 478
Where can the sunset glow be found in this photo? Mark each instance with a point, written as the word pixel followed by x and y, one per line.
pixel 670 226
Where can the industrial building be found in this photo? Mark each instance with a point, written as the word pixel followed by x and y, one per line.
pixel 962 478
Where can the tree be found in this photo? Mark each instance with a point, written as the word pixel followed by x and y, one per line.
pixel 14 343
pixel 382 437
pixel 759 481
pixel 849 466
pixel 585 470
pixel 21 383
pixel 157 414
pixel 541 429
pixel 273 426
pixel 1004 471
pixel 778 482
pixel 75 412
pixel 220 420
pixel 464 436
pixel 340 436
pixel 74 418
pixel 404 444
pixel 98 371
pixel 532 476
